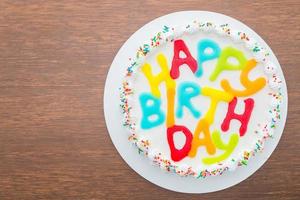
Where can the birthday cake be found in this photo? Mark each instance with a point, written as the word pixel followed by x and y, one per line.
pixel 200 99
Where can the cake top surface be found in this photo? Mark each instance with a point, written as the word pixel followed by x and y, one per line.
pixel 200 99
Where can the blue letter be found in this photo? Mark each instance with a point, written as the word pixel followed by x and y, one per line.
pixel 186 91
pixel 151 107
pixel 202 56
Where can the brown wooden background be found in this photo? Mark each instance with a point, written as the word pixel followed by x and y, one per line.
pixel 54 57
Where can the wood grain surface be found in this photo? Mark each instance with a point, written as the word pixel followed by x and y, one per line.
pixel 54 57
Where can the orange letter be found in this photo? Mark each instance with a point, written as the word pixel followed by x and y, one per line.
pixel 206 141
pixel 251 86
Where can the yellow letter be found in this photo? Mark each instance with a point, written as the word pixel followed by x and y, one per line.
pixel 215 96
pixel 163 76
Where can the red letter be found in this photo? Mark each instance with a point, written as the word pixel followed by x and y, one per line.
pixel 176 154
pixel 179 45
pixel 243 118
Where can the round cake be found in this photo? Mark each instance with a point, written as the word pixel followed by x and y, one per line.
pixel 200 99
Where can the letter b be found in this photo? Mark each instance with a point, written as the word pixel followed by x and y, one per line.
pixel 151 107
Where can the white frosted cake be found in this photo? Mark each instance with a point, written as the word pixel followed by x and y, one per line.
pixel 200 99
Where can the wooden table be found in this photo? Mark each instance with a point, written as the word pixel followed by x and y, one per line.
pixel 54 57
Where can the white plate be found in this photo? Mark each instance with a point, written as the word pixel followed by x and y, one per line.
pixel 118 134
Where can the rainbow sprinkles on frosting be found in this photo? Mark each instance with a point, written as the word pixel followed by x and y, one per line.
pixel 200 99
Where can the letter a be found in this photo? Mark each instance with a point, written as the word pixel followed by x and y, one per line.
pixel 206 141
pixel 179 45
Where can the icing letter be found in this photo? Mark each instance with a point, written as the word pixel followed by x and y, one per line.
pixel 206 141
pixel 186 91
pixel 170 107
pixel 223 63
pixel 154 81
pixel 176 154
pixel 233 141
pixel 215 96
pixel 151 107
pixel 179 45
pixel 243 118
pixel 203 56
pixel 251 86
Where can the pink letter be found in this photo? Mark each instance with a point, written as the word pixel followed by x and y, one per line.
pixel 179 45
pixel 243 118
pixel 176 154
